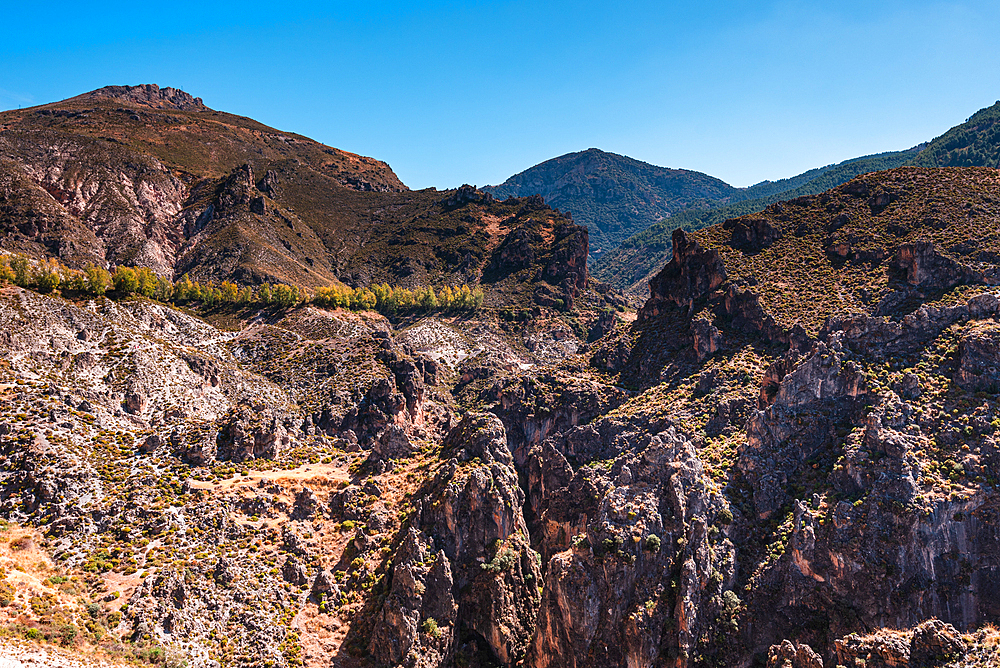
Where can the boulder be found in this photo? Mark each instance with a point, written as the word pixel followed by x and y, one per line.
pixel 324 585
pixel 294 572
pixel 707 338
pixel 935 643
pixel 793 655
pixel 393 443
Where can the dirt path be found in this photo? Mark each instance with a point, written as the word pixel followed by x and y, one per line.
pixel 320 475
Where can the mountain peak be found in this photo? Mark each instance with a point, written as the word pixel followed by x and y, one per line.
pixel 147 95
pixel 614 195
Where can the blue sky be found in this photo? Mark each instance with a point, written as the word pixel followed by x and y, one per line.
pixel 454 92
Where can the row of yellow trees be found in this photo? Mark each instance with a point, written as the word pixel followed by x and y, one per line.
pixel 388 299
pixel 48 275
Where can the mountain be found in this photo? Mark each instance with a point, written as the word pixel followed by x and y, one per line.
pixel 973 143
pixel 788 457
pixel 614 196
pixel 636 259
pixel 829 356
pixel 143 176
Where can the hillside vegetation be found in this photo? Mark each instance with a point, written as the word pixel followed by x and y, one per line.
pixel 973 143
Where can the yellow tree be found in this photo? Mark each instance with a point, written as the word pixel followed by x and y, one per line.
pixel 229 292
pixel 98 280
pixel 125 280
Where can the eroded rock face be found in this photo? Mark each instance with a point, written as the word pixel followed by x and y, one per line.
pixel 885 650
pixel 833 543
pixel 979 356
pixel 393 443
pixel 743 307
pixel 421 595
pixel 825 386
pixel 752 234
pixel 533 408
pixel 119 211
pixel 485 574
pixel 927 269
pixel 612 534
pixel 254 434
pixel 934 642
pixel 692 273
pixel 466 194
pixel 707 338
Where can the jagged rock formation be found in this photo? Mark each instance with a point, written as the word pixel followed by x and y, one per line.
pixel 844 459
pixel 482 574
pixel 692 274
pixel 639 563
pixel 789 455
pixel 147 95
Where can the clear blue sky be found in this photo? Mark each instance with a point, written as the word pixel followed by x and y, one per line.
pixel 472 92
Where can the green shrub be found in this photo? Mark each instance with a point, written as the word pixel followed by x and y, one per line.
pixel 6 594
pixel 67 634
pixel 505 560
pixel 430 627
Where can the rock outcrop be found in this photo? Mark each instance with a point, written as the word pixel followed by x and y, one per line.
pixel 466 561
pixel 149 95
pixel 691 274
pixel 791 655
pixel 927 269
pixel 751 234
pixel 631 509
pixel 929 645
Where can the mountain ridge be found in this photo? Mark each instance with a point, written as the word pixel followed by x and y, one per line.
pixel 168 183
pixel 639 257
pixel 975 142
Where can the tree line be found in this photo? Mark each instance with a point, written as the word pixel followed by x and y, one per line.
pixel 49 275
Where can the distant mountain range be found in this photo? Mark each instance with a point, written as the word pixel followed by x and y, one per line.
pixel 631 264
pixel 631 207
pixel 613 195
